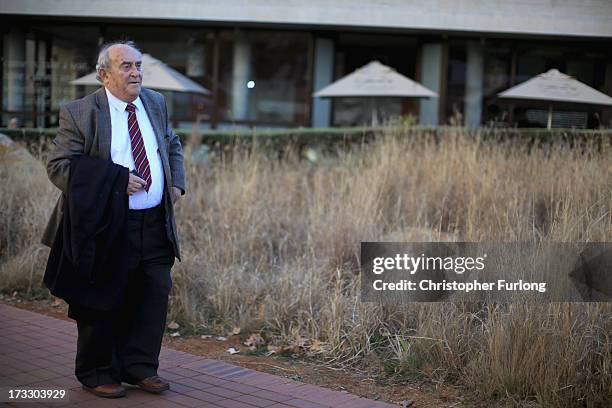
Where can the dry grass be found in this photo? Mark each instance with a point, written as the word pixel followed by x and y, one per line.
pixel 272 245
pixel 26 200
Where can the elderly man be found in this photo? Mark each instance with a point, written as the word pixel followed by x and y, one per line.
pixel 128 125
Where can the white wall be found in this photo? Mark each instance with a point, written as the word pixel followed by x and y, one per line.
pixel 545 17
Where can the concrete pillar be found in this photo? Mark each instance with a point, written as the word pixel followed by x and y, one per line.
pixel 14 71
pixel 474 84
pixel 322 76
pixel 431 64
pixel 240 77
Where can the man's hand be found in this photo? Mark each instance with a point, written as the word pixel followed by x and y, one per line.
pixel 176 194
pixel 135 184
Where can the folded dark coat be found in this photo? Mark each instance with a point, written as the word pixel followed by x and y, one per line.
pixel 87 265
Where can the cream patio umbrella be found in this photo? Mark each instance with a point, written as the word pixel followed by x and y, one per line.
pixel 372 81
pixel 555 87
pixel 155 75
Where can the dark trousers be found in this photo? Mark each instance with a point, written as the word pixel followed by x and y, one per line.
pixel 124 345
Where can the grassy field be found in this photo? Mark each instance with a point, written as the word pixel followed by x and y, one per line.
pixel 272 245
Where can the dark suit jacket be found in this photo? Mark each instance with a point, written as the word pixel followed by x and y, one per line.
pixel 87 265
pixel 85 129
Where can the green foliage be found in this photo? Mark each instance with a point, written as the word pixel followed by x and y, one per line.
pixel 339 137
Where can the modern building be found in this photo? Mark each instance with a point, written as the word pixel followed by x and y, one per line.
pixel 263 59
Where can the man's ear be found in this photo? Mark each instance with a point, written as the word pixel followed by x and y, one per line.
pixel 102 73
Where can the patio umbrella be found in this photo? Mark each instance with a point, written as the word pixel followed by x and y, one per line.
pixel 375 80
pixel 555 87
pixel 155 75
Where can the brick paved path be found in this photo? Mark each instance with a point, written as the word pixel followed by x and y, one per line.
pixel 37 351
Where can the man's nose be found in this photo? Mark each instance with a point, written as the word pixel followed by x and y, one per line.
pixel 135 71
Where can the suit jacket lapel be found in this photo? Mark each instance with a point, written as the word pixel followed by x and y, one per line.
pixel 154 114
pixel 103 126
pixel 155 117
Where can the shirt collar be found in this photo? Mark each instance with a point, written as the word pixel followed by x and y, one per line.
pixel 118 104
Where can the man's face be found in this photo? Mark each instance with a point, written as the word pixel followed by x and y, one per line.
pixel 124 76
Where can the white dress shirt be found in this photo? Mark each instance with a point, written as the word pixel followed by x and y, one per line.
pixel 121 150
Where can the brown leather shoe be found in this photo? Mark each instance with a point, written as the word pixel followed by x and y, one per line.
pixel 154 384
pixel 107 390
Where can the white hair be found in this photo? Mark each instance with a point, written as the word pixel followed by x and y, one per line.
pixel 104 58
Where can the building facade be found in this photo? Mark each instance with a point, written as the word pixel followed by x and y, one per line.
pixel 263 60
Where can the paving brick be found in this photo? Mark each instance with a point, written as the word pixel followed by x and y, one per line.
pixel 256 401
pixel 185 400
pixel 44 362
pixel 77 396
pixel 287 389
pixel 262 380
pixel 230 403
pixel 125 403
pixel 163 403
pixel 183 372
pixel 229 372
pixel 245 389
pixel 299 403
pixel 199 362
pixel 273 396
pixel 137 395
pixel 62 369
pixel 209 379
pixel 180 387
pixel 66 381
pixel 191 382
pixel 61 359
pixel 237 375
pixel 8 381
pixel 223 392
pixel 8 370
pixel 205 396
pixel 40 353
pixel 25 378
pixel 169 375
pixel 306 390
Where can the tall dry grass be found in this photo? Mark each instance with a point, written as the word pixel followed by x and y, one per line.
pixel 272 245
pixel 26 200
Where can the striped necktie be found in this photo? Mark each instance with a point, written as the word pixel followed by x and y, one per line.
pixel 138 148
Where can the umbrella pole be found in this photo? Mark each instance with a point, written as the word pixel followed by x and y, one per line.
pixel 549 116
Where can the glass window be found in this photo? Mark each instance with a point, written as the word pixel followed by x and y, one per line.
pixel 455 82
pixel 496 78
pixel 39 61
pixel 264 76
